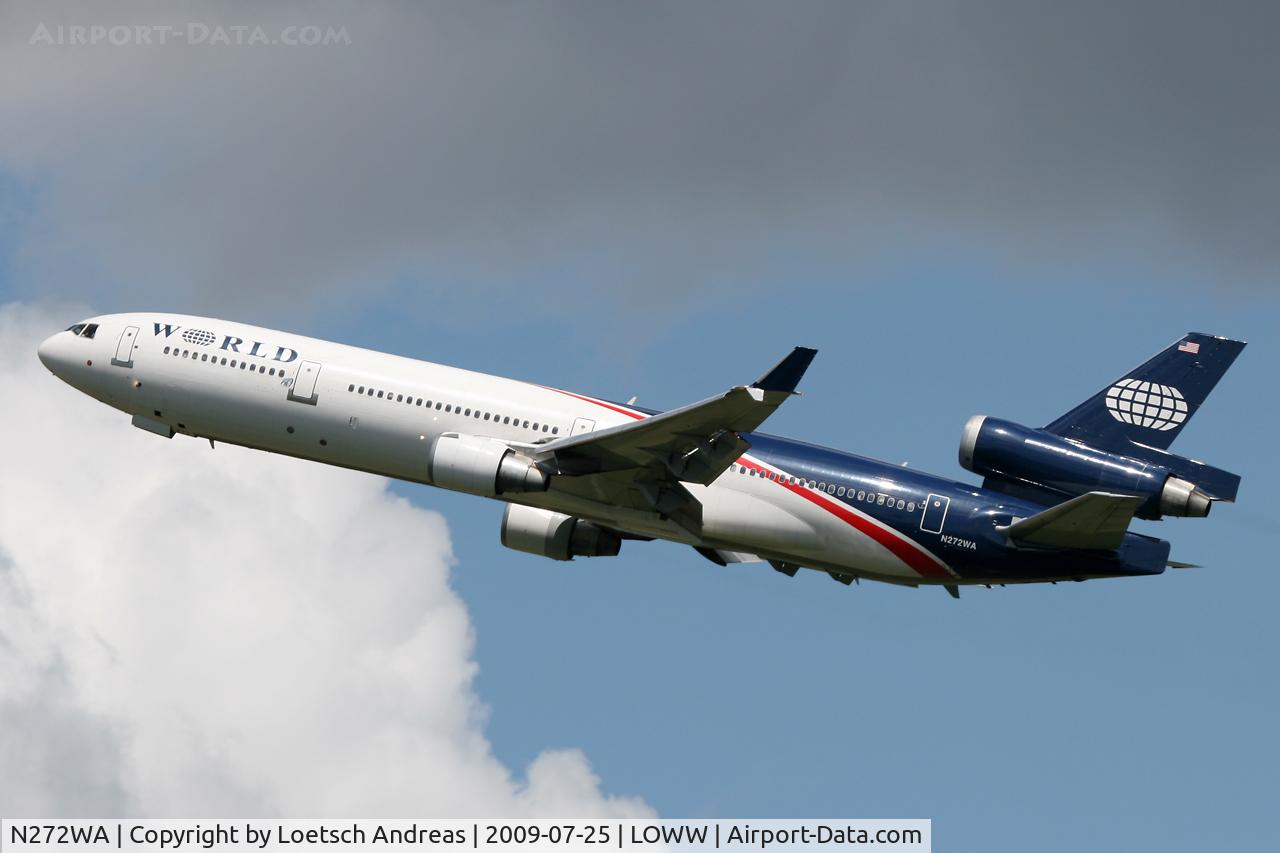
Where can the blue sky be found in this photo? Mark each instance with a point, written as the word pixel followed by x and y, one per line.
pixel 1118 715
pixel 1135 710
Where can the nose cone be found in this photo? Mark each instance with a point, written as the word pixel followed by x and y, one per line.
pixel 53 352
pixel 45 351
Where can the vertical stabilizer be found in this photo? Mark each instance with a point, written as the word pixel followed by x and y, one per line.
pixel 1150 404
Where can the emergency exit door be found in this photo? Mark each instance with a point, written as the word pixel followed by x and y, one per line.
pixel 124 349
pixel 582 425
pixel 935 513
pixel 303 389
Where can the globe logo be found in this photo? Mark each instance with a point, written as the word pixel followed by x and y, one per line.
pixel 1146 404
pixel 199 337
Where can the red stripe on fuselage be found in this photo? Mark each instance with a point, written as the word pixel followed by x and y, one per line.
pixel 900 546
pixel 617 409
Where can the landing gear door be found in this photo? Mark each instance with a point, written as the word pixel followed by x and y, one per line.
pixel 582 425
pixel 935 513
pixel 303 389
pixel 124 349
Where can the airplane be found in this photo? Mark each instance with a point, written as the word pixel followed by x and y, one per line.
pixel 579 475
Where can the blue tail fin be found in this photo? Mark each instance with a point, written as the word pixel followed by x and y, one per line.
pixel 1149 406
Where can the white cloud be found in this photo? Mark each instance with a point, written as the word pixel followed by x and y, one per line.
pixel 194 631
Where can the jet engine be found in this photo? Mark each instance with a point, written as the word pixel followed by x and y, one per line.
pixel 556 535
pixel 1035 463
pixel 482 466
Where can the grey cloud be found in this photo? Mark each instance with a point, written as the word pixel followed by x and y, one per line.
pixel 631 151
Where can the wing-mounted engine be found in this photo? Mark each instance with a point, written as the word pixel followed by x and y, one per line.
pixel 556 535
pixel 1037 464
pixel 482 466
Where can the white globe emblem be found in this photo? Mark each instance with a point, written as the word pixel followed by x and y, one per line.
pixel 1146 404
pixel 199 337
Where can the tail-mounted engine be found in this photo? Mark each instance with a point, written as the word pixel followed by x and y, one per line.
pixel 1034 463
pixel 482 466
pixel 556 535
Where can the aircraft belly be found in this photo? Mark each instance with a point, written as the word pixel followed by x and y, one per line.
pixel 767 517
pixel 751 521
pixel 845 545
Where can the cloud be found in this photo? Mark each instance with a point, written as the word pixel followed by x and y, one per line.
pixel 186 630
pixel 613 152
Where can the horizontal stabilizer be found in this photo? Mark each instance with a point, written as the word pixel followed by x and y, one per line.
pixel 1095 521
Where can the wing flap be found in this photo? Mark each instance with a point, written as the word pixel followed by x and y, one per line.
pixel 1096 521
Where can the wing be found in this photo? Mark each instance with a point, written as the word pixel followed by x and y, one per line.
pixel 645 463
pixel 1093 521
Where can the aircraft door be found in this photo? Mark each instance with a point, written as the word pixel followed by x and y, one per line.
pixel 582 425
pixel 124 349
pixel 935 513
pixel 303 389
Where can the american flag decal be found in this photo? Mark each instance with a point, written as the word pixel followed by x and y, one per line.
pixel 1189 346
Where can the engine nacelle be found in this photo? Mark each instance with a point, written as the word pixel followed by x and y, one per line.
pixel 555 535
pixel 1036 460
pixel 482 466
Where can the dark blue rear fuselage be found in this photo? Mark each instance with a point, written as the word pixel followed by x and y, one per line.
pixel 955 521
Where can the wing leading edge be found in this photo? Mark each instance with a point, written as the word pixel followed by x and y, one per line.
pixel 691 444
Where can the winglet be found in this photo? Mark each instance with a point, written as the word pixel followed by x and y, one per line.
pixel 786 374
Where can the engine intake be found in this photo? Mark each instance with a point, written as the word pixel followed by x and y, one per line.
pixel 555 535
pixel 1038 461
pixel 482 466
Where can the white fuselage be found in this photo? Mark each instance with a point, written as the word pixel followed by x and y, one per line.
pixel 381 413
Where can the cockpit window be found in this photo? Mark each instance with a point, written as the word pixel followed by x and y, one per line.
pixel 83 330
